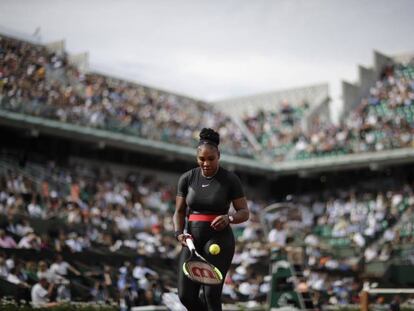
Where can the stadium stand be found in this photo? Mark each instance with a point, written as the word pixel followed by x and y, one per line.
pixel 93 100
pixel 87 211
pixel 337 239
pixel 38 82
pixel 383 120
pixel 83 212
pixel 101 233
pixel 277 131
pixel 277 119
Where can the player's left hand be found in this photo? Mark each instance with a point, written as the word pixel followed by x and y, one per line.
pixel 220 222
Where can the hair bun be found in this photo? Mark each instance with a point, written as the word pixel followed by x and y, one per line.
pixel 210 135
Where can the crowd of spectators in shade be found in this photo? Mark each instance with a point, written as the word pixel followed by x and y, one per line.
pixel 395 244
pixel 132 214
pixel 368 224
pixel 38 82
pixel 114 214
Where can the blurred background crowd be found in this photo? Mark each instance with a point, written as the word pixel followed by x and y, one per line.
pixel 102 232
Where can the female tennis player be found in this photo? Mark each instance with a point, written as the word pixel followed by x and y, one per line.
pixel 207 191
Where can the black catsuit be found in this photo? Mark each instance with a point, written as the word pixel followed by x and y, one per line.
pixel 205 195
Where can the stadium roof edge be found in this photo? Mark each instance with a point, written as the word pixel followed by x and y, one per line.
pixel 271 93
pixel 404 57
pixel 33 39
pixel 313 94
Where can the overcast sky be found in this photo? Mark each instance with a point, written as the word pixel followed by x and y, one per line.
pixel 216 49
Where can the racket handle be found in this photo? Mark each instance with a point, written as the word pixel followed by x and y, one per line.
pixel 190 243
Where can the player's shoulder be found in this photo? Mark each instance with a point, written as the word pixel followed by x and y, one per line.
pixel 228 174
pixel 190 173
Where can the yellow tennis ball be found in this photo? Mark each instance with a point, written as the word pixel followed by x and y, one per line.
pixel 214 249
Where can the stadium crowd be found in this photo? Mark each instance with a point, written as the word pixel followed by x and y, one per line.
pixel 383 120
pixel 130 215
pixel 98 211
pixel 277 131
pixel 38 82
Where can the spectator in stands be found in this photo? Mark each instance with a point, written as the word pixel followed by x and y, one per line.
pixel 4 270
pixel 154 293
pixel 99 292
pixel 129 293
pixel 60 244
pixel 278 236
pixel 140 270
pixel 21 227
pixel 41 294
pixel 46 242
pixel 63 292
pixel 29 241
pixel 61 267
pixel 44 272
pixel 15 276
pixel 77 243
pixel 35 209
pixel 395 303
pixel 108 278
pixel 6 241
pixel 30 271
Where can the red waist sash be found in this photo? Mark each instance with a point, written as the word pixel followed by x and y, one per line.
pixel 202 217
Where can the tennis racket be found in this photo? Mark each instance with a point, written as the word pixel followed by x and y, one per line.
pixel 198 269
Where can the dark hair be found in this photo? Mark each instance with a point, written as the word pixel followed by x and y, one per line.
pixel 210 137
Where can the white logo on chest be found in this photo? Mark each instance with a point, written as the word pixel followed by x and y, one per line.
pixel 203 186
